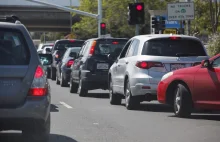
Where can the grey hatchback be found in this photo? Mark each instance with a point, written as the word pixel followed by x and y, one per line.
pixel 25 92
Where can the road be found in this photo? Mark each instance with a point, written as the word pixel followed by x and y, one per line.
pixel 93 119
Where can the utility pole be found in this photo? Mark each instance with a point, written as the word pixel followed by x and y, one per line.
pixel 136 26
pixel 99 17
pixel 71 22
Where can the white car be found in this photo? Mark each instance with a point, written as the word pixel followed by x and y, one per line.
pixel 144 60
pixel 47 49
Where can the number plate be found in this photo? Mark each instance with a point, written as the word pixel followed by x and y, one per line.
pixel 176 66
pixel 102 66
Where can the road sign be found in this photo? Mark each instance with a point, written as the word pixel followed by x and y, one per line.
pixel 169 31
pixel 180 11
pixel 171 24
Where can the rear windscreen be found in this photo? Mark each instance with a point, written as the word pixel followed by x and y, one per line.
pixel 173 48
pixel 13 49
pixel 75 49
pixel 112 47
pixel 63 45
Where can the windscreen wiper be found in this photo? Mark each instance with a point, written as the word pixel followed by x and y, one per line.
pixel 185 54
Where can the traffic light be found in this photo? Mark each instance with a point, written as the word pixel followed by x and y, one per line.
pixel 103 28
pixel 131 14
pixel 155 23
pixel 162 22
pixel 136 13
pixel 140 13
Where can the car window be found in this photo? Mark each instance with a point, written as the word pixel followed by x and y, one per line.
pixel 216 63
pixel 13 48
pixel 75 49
pixel 131 49
pixel 173 48
pixel 63 45
pixel 82 49
pixel 135 52
pixel 125 49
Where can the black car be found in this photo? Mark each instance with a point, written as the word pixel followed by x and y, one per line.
pixel 63 67
pixel 90 69
pixel 58 51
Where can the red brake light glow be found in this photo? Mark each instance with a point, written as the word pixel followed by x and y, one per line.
pixel 174 38
pixel 38 91
pixel 39 72
pixel 148 65
pixel 115 42
pixel 71 40
pixel 92 49
pixel 139 7
pixel 70 63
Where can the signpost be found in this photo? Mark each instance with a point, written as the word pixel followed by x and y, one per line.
pixel 169 31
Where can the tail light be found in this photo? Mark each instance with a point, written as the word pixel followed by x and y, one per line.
pixel 196 63
pixel 92 49
pixel 115 42
pixel 70 63
pixel 39 86
pixel 174 38
pixel 148 65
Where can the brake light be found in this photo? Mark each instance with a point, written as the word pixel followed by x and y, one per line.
pixel 174 38
pixel 70 63
pixel 115 42
pixel 71 40
pixel 148 65
pixel 92 49
pixel 39 86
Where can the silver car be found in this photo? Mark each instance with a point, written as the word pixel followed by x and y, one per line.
pixel 144 60
pixel 25 92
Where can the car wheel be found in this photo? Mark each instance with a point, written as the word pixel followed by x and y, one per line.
pixel 115 99
pixel 57 81
pixel 81 89
pixel 182 101
pixel 73 87
pixel 63 82
pixel 53 73
pixel 39 133
pixel 131 102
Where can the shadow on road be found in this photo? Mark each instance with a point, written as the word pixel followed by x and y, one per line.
pixel 53 108
pixel 17 137
pixel 213 117
pixel 98 95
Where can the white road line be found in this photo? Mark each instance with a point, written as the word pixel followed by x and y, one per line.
pixel 66 105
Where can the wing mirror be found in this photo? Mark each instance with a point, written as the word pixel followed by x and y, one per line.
pixel 46 59
pixel 206 63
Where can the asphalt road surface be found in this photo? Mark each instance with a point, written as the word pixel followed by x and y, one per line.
pixel 93 119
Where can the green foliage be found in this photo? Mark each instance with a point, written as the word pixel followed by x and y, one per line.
pixel 115 16
pixel 214 45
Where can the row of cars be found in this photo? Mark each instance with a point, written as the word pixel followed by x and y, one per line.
pixel 133 69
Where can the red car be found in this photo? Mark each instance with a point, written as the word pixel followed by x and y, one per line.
pixel 194 87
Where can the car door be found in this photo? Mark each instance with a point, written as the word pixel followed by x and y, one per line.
pixel 61 63
pixel 207 84
pixel 78 63
pixel 119 69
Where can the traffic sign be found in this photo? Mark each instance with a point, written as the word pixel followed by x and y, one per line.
pixel 170 24
pixel 180 11
pixel 169 31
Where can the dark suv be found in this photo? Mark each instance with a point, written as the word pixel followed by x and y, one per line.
pixel 25 92
pixel 90 68
pixel 58 51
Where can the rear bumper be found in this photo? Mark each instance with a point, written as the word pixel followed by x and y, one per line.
pixel 95 81
pixel 33 110
pixel 143 89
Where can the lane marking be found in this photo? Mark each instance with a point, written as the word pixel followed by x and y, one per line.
pixel 96 123
pixel 66 105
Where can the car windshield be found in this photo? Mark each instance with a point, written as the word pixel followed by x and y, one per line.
pixel 13 49
pixel 173 48
pixel 109 47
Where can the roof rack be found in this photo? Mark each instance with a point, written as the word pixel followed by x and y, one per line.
pixel 10 19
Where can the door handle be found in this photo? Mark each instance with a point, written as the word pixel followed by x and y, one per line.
pixel 119 65
pixel 126 62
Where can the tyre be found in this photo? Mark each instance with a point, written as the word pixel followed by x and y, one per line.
pixel 63 82
pixel 73 87
pixel 182 101
pixel 39 133
pixel 115 99
pixel 131 102
pixel 81 89
pixel 57 81
pixel 53 73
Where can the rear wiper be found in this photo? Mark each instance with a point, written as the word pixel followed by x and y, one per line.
pixel 185 54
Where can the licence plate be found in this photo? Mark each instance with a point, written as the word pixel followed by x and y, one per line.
pixel 102 66
pixel 176 66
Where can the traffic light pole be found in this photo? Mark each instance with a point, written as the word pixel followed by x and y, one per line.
pixel 99 17
pixel 137 26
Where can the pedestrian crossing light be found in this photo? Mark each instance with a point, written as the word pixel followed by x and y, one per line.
pixel 103 28
pixel 154 22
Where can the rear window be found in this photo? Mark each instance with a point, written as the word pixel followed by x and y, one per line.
pixel 13 48
pixel 173 48
pixel 63 45
pixel 75 49
pixel 113 47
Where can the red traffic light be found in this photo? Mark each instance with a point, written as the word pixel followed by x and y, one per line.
pixel 103 25
pixel 139 7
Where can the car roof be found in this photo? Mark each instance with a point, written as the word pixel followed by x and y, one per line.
pixel 155 36
pixel 107 38
pixel 69 39
pixel 11 25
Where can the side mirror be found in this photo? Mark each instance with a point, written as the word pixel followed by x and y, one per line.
pixel 46 59
pixel 206 64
